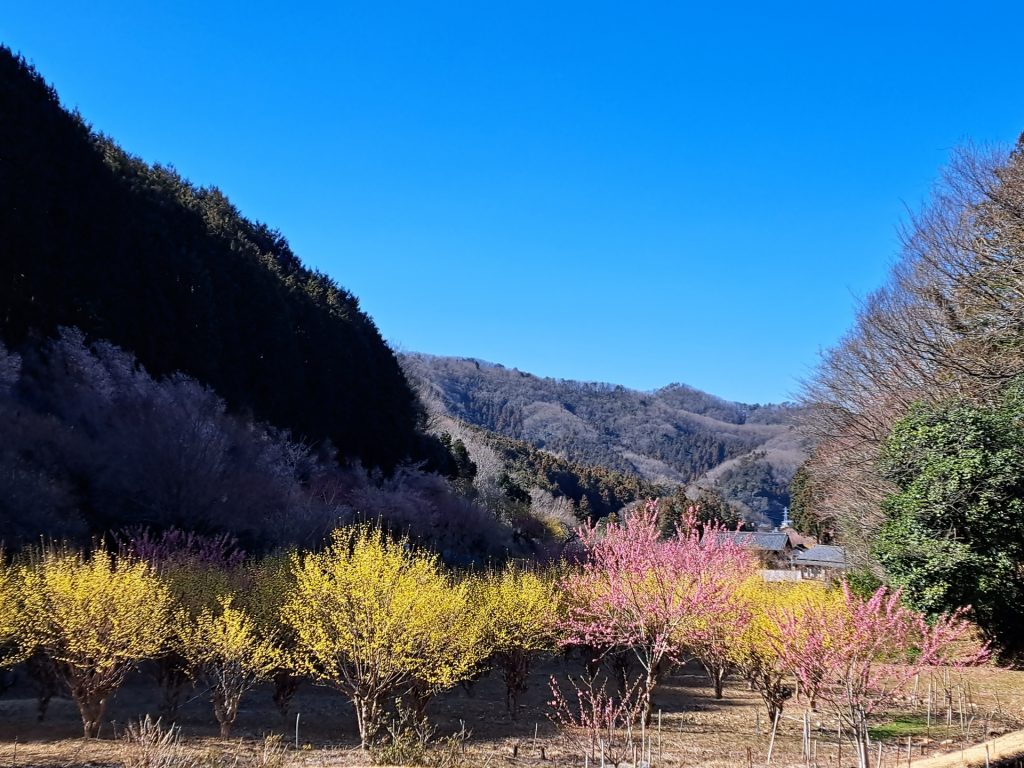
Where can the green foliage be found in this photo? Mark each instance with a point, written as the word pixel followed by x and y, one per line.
pixel 862 582
pixel 954 532
pixel 758 487
pixel 710 506
pixel 596 490
pixel 804 508
pixel 459 467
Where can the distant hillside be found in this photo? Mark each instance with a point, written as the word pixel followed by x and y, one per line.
pixel 676 435
pixel 93 238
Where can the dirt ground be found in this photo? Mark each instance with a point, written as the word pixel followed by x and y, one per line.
pixel 696 730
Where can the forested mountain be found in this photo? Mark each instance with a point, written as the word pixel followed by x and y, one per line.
pixel 93 238
pixel 676 435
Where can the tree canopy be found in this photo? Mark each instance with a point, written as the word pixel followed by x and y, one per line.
pixel 954 530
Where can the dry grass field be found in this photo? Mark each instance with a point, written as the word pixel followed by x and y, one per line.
pixel 696 730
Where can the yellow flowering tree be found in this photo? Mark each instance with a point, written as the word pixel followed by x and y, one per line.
pixel 374 618
pixel 96 617
pixel 195 586
pixel 451 642
pixel 270 581
pixel 11 614
pixel 520 608
pixel 225 650
pixel 761 650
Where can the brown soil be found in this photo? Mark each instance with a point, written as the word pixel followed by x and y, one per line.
pixel 696 730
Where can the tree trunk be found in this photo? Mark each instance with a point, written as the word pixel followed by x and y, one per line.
pixel 717 674
pixel 647 695
pixel 367 718
pixel 225 709
pixel 285 686
pixel 91 707
pixel 860 736
pixel 515 667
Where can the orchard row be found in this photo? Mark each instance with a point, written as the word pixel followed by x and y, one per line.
pixel 380 620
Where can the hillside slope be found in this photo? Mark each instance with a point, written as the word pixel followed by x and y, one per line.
pixel 93 238
pixel 676 435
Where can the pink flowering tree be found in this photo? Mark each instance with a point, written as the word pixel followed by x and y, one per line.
pixel 653 597
pixel 859 656
pixel 713 643
pixel 594 722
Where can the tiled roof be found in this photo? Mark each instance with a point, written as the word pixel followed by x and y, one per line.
pixel 822 555
pixel 766 542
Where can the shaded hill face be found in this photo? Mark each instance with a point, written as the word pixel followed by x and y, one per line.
pixel 676 435
pixel 93 238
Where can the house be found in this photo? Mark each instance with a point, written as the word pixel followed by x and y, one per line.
pixel 773 549
pixel 822 561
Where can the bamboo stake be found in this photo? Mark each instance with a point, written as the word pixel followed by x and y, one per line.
pixel 929 721
pixel 643 736
pixel 771 743
pixel 659 735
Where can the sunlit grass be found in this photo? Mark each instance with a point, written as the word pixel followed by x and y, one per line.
pixel 898 728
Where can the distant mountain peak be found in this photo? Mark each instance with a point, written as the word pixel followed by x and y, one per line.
pixel 676 434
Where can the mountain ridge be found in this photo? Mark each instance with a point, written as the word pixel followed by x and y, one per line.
pixel 674 435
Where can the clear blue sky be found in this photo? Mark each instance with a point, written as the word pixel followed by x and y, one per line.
pixel 626 192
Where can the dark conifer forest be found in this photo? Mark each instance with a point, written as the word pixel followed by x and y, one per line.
pixel 96 239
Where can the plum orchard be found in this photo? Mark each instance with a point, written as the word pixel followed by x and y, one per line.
pixel 383 622
pixel 654 598
pixel 858 657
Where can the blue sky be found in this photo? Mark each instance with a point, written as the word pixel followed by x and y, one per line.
pixel 640 193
